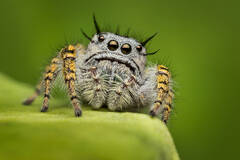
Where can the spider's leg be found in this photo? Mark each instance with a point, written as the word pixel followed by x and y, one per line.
pixel 68 55
pixel 45 84
pixel 163 101
pixel 167 106
pixel 51 73
pixel 65 61
pixel 37 92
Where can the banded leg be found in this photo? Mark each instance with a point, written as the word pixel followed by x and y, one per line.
pixel 164 98
pixel 49 76
pixel 69 71
pixel 167 106
pixel 51 73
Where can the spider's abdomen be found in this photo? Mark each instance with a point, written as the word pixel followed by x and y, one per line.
pixel 109 80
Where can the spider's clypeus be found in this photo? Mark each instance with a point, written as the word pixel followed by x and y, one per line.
pixel 110 72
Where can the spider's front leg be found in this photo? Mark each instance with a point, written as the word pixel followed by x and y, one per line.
pixel 65 61
pixel 160 82
pixel 69 71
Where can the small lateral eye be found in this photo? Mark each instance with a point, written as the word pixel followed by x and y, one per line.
pixel 139 48
pixel 112 45
pixel 126 48
pixel 101 38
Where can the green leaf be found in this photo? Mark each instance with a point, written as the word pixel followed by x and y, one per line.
pixel 26 133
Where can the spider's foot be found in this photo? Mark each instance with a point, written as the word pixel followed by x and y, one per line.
pixel 78 112
pixel 152 113
pixel 44 109
pixel 28 101
pixel 165 121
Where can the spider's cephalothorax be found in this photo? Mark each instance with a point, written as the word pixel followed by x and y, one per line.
pixel 109 72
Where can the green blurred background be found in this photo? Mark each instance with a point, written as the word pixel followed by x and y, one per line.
pixel 200 38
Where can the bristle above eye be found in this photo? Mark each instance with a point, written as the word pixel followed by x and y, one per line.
pixel 152 53
pixel 96 24
pixel 128 33
pixel 85 35
pixel 148 39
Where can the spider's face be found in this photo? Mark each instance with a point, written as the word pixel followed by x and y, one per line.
pixel 110 44
pixel 113 43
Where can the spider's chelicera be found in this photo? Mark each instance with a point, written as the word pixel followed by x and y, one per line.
pixel 110 72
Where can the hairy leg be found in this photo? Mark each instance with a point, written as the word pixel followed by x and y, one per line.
pixel 68 55
pixel 65 61
pixel 159 87
pixel 45 85
pixel 50 75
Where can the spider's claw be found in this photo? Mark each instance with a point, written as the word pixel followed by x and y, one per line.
pixel 78 112
pixel 30 100
pixel 27 102
pixel 165 121
pixel 152 113
pixel 44 109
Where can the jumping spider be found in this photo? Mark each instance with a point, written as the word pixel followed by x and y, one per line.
pixel 110 72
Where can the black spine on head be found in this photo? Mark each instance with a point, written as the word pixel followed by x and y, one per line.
pixel 147 54
pixel 96 24
pixel 86 35
pixel 147 40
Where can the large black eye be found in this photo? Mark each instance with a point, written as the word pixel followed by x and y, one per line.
pixel 101 38
pixel 126 48
pixel 139 48
pixel 112 45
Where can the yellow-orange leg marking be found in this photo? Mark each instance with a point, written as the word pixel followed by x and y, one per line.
pixel 163 89
pixel 69 70
pixel 50 75
pixel 167 106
